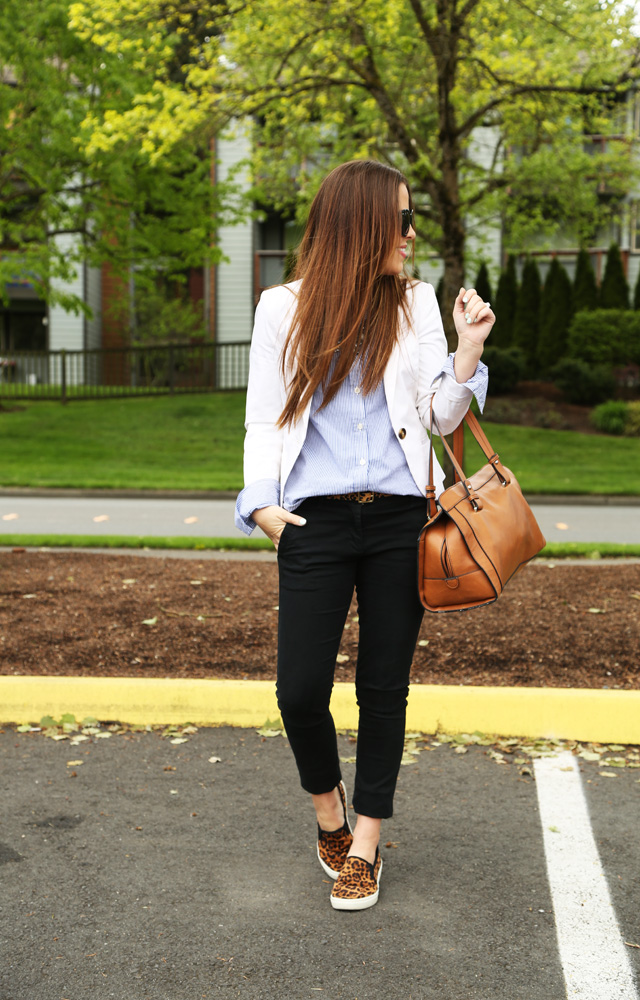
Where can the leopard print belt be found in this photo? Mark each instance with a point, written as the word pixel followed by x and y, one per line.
pixel 363 497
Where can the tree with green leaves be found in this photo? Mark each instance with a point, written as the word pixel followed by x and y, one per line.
pixel 555 316
pixel 74 190
pixel 483 104
pixel 506 303
pixel 614 288
pixel 584 293
pixel 526 324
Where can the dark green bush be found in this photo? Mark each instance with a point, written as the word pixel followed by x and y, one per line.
pixel 507 366
pixel 614 290
pixel 505 306
pixel 526 324
pixel 582 383
pixel 632 423
pixel 605 337
pixel 555 316
pixel 610 417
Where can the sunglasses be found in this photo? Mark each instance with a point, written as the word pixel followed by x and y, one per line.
pixel 406 220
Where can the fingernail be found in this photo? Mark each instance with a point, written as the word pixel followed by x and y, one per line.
pixel 466 316
pixel 469 320
pixel 302 521
pixel 465 300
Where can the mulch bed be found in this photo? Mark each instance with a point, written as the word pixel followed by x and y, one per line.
pixel 84 614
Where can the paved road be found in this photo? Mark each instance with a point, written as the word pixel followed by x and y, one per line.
pixel 149 873
pixel 214 518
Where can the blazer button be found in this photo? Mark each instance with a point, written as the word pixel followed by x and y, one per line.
pixel 402 434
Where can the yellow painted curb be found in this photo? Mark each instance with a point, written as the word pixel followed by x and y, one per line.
pixel 565 713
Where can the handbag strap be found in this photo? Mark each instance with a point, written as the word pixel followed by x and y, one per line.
pixel 456 457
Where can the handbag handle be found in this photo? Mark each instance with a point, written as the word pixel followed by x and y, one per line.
pixel 456 458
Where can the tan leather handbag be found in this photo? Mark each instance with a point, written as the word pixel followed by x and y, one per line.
pixel 480 532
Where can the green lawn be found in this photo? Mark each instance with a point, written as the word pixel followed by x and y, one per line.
pixel 195 442
pixel 166 442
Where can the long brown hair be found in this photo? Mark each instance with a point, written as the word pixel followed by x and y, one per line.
pixel 345 302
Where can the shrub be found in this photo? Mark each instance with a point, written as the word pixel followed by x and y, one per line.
pixel 507 366
pixel 614 290
pixel 555 316
pixel 585 289
pixel 581 383
pixel 505 306
pixel 610 417
pixel 605 336
pixel 527 318
pixel 483 284
pixel 632 423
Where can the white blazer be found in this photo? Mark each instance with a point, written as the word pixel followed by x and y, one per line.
pixel 410 380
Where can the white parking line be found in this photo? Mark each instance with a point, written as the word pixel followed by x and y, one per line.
pixel 594 958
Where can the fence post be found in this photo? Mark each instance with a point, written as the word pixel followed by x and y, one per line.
pixel 171 371
pixel 63 374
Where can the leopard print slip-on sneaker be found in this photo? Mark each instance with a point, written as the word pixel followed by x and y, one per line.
pixel 333 845
pixel 358 885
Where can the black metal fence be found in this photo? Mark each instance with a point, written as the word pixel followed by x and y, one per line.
pixel 128 371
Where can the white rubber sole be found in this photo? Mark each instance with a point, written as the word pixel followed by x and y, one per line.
pixel 358 904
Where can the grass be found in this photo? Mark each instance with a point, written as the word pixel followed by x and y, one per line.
pixel 553 550
pixel 164 442
pixel 195 443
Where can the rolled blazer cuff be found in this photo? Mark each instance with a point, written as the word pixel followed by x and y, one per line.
pixel 477 384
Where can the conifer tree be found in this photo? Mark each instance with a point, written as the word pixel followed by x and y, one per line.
pixel 584 294
pixel 636 294
pixel 527 317
pixel 555 316
pixel 614 290
pixel 483 284
pixel 505 306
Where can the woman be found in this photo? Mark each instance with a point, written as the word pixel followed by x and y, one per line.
pixel 345 363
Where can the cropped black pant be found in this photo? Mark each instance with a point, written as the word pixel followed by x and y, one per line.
pixel 372 548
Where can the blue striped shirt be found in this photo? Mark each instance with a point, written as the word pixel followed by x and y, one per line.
pixel 350 446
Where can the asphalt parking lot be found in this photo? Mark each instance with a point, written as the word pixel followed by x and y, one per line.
pixel 140 869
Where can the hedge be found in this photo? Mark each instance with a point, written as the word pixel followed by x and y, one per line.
pixel 605 337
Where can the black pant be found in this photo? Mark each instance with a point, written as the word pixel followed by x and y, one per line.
pixel 372 547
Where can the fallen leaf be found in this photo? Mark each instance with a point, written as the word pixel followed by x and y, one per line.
pixel 461 749
pixel 196 583
pixel 607 774
pixel 597 611
pixel 150 621
pixel 215 760
pixel 342 658
pixel 423 642
pixel 266 733
pixel 589 755
pixel 179 739
pixel 390 843
pixel 561 526
pixel 130 580
pixel 75 763
pixel 637 597
pixel 350 760
pixel 29 595
pixel 102 736
pixel 630 944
